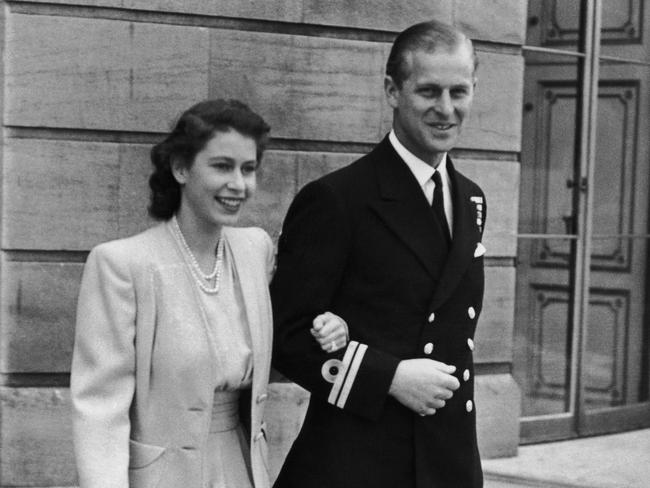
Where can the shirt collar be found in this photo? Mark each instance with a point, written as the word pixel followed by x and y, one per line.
pixel 421 170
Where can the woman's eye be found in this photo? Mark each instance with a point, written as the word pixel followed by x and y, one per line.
pixel 248 169
pixel 222 166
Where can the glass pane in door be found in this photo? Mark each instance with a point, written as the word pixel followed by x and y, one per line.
pixel 615 364
pixel 547 229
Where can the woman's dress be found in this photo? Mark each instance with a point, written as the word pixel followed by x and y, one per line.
pixel 226 462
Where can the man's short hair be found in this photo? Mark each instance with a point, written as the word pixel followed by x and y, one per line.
pixel 427 36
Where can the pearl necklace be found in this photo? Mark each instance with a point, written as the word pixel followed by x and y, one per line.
pixel 199 275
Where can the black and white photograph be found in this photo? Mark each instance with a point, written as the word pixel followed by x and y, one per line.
pixel 325 244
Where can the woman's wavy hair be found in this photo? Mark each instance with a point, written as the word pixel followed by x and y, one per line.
pixel 195 127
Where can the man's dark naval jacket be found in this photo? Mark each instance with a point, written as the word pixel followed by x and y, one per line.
pixel 364 243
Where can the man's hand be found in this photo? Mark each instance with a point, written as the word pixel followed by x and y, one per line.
pixel 423 385
pixel 330 331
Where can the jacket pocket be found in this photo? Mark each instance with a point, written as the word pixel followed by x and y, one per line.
pixel 145 464
pixel 142 455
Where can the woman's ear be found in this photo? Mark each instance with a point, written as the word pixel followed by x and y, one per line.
pixel 179 170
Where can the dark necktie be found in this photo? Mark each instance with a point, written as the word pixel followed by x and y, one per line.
pixel 438 205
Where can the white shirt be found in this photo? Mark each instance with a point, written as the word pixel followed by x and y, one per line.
pixel 423 173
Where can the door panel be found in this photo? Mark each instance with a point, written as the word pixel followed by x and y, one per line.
pixel 542 353
pixel 606 347
pixel 560 22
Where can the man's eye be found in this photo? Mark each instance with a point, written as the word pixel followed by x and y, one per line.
pixel 248 169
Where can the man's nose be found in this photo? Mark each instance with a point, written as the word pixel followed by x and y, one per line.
pixel 443 104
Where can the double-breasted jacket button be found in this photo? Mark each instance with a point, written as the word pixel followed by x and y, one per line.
pixel 469 406
pixel 261 398
pixel 470 343
pixel 466 375
pixel 432 317
pixel 471 313
pixel 428 348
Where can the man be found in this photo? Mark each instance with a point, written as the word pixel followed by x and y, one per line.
pixel 392 244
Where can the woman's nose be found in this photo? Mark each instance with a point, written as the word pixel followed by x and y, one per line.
pixel 236 181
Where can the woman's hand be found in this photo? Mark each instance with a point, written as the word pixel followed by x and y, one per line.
pixel 330 331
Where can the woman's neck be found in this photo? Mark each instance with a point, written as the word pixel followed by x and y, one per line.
pixel 202 238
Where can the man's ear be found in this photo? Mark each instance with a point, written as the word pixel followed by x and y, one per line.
pixel 391 91
pixel 179 171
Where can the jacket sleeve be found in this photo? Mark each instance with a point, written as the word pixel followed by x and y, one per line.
pixel 313 251
pixel 103 371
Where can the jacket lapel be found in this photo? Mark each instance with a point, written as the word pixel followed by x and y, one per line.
pixel 466 236
pixel 404 208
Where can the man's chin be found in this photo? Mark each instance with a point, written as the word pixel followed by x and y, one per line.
pixel 440 147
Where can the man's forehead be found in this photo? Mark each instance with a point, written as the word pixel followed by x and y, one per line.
pixel 462 49
pixel 427 57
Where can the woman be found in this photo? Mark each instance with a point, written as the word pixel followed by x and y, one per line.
pixel 174 322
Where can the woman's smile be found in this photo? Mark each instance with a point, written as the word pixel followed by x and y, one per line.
pixel 231 204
